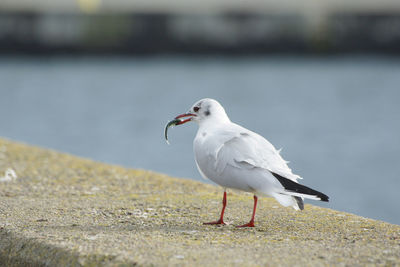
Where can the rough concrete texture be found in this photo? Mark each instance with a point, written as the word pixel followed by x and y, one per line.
pixel 64 210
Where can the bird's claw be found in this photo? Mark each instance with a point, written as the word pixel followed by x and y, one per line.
pixel 219 222
pixel 249 224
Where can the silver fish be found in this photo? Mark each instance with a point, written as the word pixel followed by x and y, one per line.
pixel 172 123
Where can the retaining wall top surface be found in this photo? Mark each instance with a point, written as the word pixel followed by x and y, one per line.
pixel 65 210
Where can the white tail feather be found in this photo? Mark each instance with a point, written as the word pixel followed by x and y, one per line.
pixel 294 194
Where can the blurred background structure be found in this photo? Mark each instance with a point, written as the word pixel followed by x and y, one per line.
pixel 189 26
pixel 320 78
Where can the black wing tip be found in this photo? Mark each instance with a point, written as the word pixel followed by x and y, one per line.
pixel 299 188
pixel 324 197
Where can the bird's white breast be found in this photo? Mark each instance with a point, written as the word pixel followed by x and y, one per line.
pixel 205 147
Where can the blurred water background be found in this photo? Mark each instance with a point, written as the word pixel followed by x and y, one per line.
pixel 320 79
pixel 336 118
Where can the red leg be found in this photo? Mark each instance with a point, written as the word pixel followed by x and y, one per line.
pixel 251 223
pixel 221 219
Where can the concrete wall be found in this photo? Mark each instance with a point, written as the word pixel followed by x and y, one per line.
pixel 310 7
pixel 229 33
pixel 234 26
pixel 62 210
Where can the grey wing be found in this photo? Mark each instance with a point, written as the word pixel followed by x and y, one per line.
pixel 246 149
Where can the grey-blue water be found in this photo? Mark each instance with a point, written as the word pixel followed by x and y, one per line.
pixel 337 119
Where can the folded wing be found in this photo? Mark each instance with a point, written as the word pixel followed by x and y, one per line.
pixel 243 148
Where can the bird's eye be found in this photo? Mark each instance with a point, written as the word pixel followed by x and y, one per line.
pixel 196 109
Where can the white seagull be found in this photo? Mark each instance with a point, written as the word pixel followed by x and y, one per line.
pixel 234 157
pixel 9 175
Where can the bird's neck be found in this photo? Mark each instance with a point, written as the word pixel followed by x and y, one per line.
pixel 214 121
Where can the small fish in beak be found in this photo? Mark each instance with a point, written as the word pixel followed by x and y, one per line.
pixel 172 123
pixel 177 121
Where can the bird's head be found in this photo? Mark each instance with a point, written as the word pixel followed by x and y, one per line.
pixel 204 110
pixel 10 174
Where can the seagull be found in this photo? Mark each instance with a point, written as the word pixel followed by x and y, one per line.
pixel 237 158
pixel 9 175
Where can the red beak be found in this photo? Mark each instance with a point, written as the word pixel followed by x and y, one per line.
pixel 191 115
